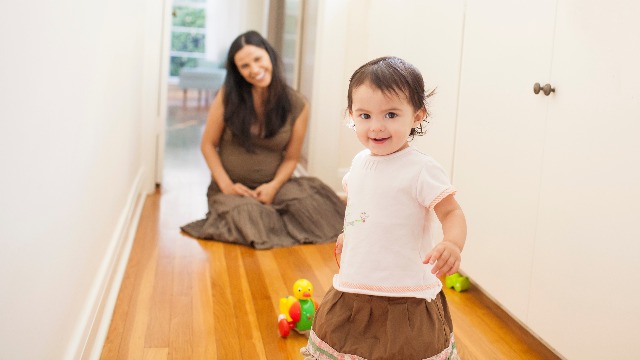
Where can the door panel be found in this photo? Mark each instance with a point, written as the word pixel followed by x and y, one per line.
pixel 584 298
pixel 497 161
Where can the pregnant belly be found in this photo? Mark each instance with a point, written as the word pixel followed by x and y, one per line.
pixel 251 170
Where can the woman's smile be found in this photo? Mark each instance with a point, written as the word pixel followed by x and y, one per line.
pixel 259 76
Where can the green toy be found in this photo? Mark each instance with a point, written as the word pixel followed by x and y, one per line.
pixel 297 312
pixel 457 282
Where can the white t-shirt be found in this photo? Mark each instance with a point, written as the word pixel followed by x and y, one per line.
pixel 388 223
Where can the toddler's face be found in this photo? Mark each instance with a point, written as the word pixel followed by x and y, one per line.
pixel 383 121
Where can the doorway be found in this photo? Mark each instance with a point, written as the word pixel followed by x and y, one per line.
pixel 200 33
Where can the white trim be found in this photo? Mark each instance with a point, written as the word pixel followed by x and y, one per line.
pixel 161 118
pixel 511 314
pixel 329 72
pixel 187 54
pixel 91 331
pixel 300 171
pixel 193 30
pixel 266 5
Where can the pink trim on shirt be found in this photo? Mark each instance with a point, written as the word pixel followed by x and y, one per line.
pixel 389 289
pixel 448 191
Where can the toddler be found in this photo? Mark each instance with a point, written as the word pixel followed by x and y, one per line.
pixel 386 301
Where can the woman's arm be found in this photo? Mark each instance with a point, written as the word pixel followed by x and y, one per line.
pixel 446 255
pixel 210 140
pixel 267 192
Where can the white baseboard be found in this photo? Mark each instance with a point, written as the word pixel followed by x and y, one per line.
pixel 300 171
pixel 509 313
pixel 95 319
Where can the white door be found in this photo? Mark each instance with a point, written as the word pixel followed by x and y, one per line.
pixel 586 274
pixel 430 39
pixel 162 92
pixel 497 162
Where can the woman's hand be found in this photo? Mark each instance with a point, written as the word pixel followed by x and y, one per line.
pixel 265 193
pixel 239 189
pixel 445 258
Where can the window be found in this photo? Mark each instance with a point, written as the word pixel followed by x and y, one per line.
pixel 188 34
pixel 291 40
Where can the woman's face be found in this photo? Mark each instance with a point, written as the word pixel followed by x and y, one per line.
pixel 254 64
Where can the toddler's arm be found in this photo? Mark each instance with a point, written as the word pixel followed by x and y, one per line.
pixel 445 257
pixel 337 252
pixel 339 243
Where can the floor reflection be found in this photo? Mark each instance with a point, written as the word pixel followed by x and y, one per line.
pixel 183 161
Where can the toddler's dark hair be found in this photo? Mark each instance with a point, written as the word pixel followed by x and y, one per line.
pixel 393 75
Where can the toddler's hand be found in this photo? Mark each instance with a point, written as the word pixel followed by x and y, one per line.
pixel 339 243
pixel 337 251
pixel 446 257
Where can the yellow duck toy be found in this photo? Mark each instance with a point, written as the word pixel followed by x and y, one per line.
pixel 297 312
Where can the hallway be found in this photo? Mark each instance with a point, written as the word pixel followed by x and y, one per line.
pixel 187 299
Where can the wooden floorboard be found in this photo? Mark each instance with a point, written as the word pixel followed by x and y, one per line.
pixel 183 298
pixel 187 299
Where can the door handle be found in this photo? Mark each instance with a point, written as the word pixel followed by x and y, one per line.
pixel 546 89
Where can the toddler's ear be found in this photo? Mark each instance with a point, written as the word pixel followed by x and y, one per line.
pixel 349 120
pixel 420 115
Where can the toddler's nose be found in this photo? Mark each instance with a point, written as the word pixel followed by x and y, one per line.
pixel 377 125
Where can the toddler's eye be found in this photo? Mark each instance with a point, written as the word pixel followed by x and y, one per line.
pixel 391 115
pixel 365 116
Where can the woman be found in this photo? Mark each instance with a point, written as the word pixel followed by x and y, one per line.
pixel 252 143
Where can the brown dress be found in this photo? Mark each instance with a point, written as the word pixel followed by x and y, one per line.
pixel 357 327
pixel 304 211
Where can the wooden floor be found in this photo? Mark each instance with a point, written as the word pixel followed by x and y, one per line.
pixel 187 299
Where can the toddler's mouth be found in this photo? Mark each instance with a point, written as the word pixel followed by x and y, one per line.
pixel 379 140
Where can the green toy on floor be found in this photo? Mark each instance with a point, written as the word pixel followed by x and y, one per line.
pixel 457 282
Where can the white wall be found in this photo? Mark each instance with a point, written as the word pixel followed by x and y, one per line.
pixel 228 19
pixel 328 90
pixel 73 174
pixel 425 33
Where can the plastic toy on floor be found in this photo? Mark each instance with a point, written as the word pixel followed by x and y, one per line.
pixel 457 282
pixel 297 312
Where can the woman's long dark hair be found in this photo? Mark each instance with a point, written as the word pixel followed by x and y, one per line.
pixel 239 112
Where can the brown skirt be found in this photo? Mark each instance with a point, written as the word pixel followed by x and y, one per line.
pixel 305 211
pixel 356 326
